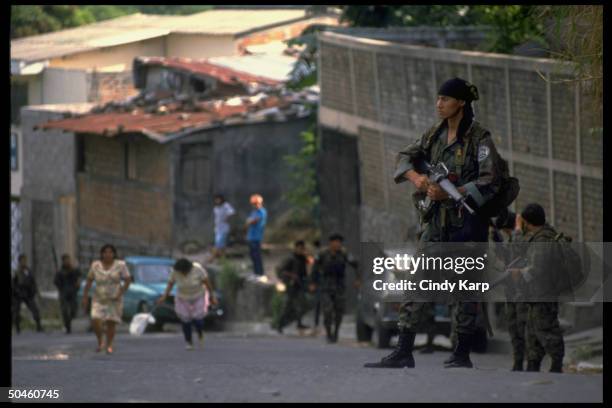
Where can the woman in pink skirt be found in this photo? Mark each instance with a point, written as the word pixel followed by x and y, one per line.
pixel 190 303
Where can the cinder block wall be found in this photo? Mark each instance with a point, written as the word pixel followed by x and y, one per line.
pixel 133 214
pixel 383 94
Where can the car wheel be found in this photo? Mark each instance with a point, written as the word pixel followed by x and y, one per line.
pixel 383 337
pixel 364 332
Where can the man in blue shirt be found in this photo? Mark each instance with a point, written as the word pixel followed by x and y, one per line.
pixel 256 224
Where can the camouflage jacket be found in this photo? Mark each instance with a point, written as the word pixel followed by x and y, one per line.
pixel 329 269
pixel 471 158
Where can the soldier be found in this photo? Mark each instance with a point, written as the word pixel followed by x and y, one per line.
pixel 507 229
pixel 328 275
pixel 292 272
pixel 67 281
pixel 25 290
pixel 467 149
pixel 544 334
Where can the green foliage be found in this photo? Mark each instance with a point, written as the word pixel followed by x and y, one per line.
pixel 229 279
pixel 277 304
pixel 576 33
pixel 511 25
pixel 303 195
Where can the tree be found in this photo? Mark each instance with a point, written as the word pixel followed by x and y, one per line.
pixel 576 36
pixel 511 25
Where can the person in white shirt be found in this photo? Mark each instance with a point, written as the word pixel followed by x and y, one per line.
pixel 190 302
pixel 222 211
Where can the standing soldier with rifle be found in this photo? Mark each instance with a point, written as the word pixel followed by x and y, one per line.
pixel 292 272
pixel 67 281
pixel 25 290
pixel 507 229
pixel 471 185
pixel 328 275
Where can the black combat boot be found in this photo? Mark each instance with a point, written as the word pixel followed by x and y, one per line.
pixel 461 355
pixel 518 364
pixel 400 357
pixel 556 365
pixel 533 365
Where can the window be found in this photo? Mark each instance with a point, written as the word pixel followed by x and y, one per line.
pixel 14 152
pixel 198 85
pixel 196 168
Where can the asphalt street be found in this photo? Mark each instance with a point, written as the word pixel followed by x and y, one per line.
pixel 232 367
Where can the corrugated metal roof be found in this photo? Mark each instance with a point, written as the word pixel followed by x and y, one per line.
pixel 166 122
pixel 219 71
pixel 138 27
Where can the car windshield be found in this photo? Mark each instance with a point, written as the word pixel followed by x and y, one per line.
pixel 152 273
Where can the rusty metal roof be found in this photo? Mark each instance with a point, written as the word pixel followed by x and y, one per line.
pixel 166 122
pixel 221 73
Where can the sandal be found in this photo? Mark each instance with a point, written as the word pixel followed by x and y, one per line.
pixel 109 350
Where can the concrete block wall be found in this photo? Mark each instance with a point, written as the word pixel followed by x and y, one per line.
pixel 134 212
pixel 383 94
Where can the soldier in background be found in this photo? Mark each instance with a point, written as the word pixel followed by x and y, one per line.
pixel 67 281
pixel 544 333
pixel 25 290
pixel 507 229
pixel 292 272
pixel 328 275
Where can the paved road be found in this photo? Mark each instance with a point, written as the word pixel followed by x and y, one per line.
pixel 240 368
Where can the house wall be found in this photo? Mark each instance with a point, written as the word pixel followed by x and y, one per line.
pixel 246 159
pixel 118 58
pixel 46 194
pixel 133 214
pixel 200 46
pixel 383 94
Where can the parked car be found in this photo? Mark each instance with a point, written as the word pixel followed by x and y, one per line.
pixel 149 279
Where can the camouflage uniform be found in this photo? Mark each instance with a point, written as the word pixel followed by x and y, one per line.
pixel 328 274
pixel 295 295
pixel 475 167
pixel 515 309
pixel 544 334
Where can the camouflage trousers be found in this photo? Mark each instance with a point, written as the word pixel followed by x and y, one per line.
pixel 417 316
pixel 516 317
pixel 294 308
pixel 544 334
pixel 420 317
pixel 333 306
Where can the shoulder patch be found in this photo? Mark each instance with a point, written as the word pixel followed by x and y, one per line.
pixel 483 152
